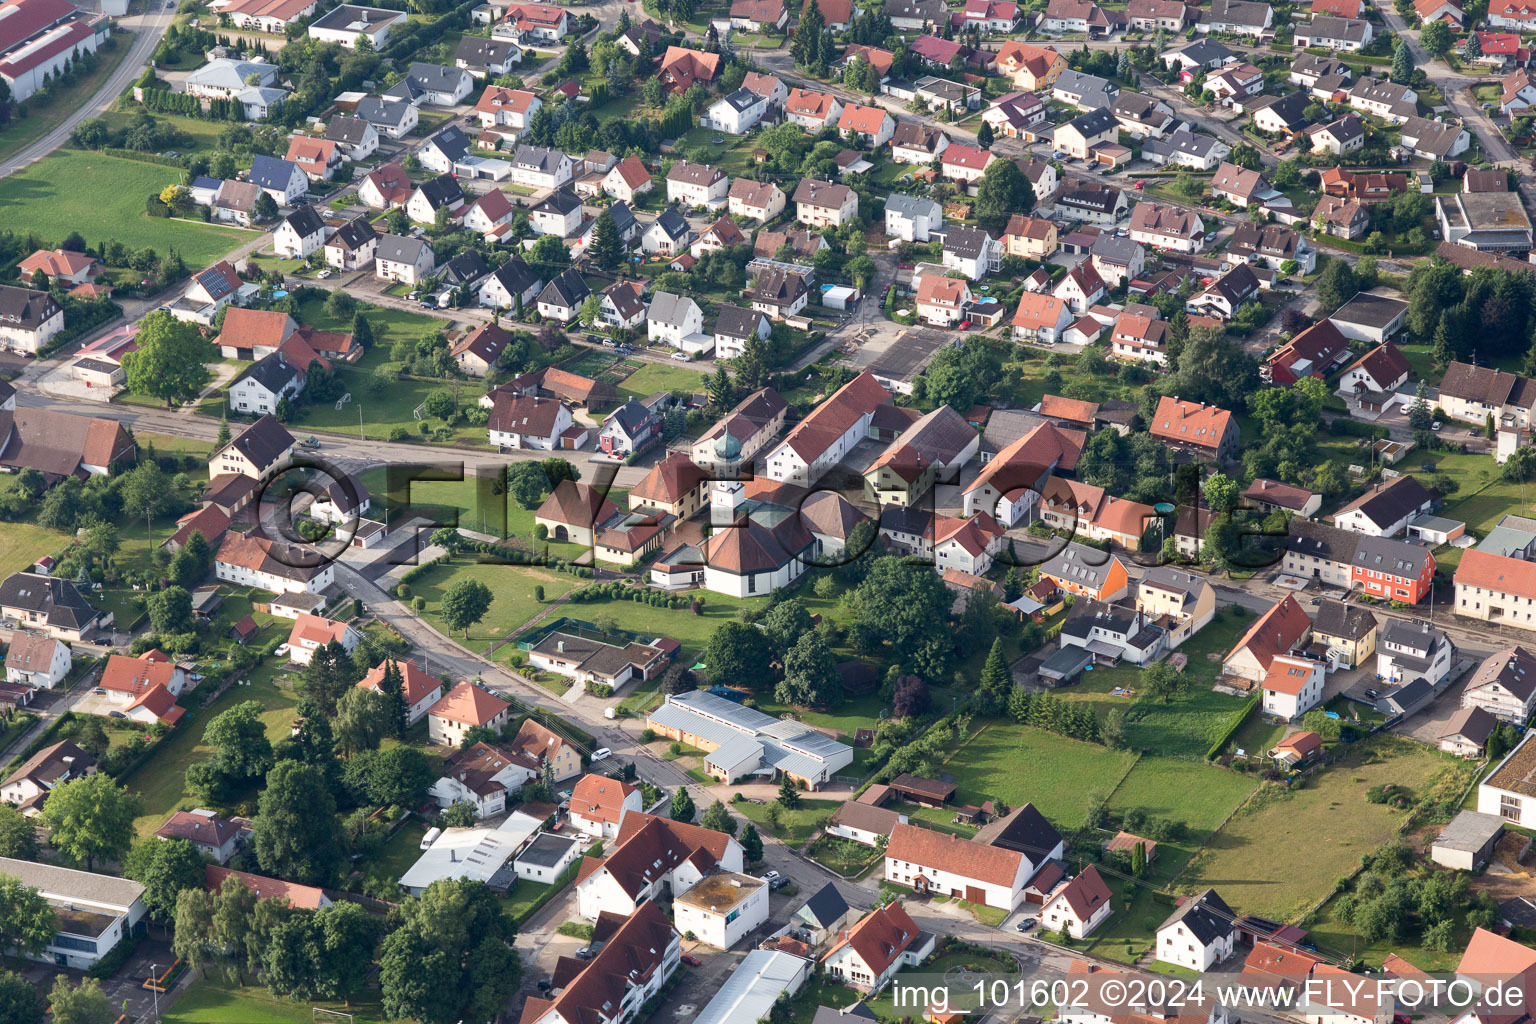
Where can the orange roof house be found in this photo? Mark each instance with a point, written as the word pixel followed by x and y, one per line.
pixel 419 690
pixel 866 954
pixel 1278 631
pixel 304 897
pixel 59 265
pixel 1195 427
pixel 1030 67
pixel 315 157
pixel 681 67
pixel 465 707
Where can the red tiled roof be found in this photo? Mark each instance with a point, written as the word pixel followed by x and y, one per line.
pixel 880 938
pixel 467 704
pixel 598 798
pixel 1277 630
pixel 930 849
pixel 415 684
pixel 306 897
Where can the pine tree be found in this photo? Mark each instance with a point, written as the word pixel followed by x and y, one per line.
pixel 393 687
pixel 1402 63
pixel 807 46
pixel 606 248
pixel 1474 47
pixel 984 136
pixel 223 438
pixel 996 680
pixel 682 806
pixel 362 331
pixel 789 796
pixel 1019 704
pixel 547 775
pixel 1139 859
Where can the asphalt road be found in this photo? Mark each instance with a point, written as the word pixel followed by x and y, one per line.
pixel 147 30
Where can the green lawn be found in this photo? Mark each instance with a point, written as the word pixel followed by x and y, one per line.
pixel 207 1001
pixel 201 136
pixel 21 544
pixel 103 198
pixel 511 585
pixel 654 377
pixel 1019 764
pixel 796 825
pixel 161 782
pixel 1484 498
pixel 1285 849
pixel 471 504
pixel 402 850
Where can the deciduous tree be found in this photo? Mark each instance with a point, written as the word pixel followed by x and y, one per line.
pixel 90 817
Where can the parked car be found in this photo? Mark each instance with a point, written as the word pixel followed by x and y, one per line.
pixel 281 650
pixel 116 714
pixel 691 960
pixel 601 754
pixel 769 876
pixel 585 953
pixel 1028 923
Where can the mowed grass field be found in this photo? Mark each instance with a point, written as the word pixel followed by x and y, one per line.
pixel 21 544
pixel 1019 764
pixel 207 1001
pixel 102 197
pixel 654 377
pixel 1285 850
pixel 511 585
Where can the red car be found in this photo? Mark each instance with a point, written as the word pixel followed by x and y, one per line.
pixel 692 961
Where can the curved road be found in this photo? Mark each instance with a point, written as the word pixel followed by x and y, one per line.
pixel 147 30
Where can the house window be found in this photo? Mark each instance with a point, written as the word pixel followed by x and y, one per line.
pixel 1509 807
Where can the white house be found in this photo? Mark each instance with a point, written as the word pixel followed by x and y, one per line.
pixel 483 777
pixel 1080 906
pixel 1292 686
pixel 537 167
pixel 100 911
pixel 527 421
pixel 1199 934
pixel 697 184
pixel 722 908
pixel 38 662
pixel 300 233
pixel 312 632
pixel 403 259
pixel 654 856
pixel 419 690
pixel 598 805
pixel 866 956
pixel 283 180
pixel 1504 685
pixel 912 218
pixel 942 864
pixel 735 114
pixel 676 320
pixel 348 23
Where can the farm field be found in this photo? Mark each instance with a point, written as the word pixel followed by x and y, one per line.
pixel 103 198
pixel 1254 858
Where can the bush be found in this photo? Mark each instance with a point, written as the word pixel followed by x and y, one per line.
pixel 675 748
pixel 647 735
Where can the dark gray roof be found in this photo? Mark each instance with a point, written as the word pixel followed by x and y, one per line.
pixel 631 417
pixel 1095 122
pixel 561 201
pixel 272 172
pixel 57 600
pixel 858 1011
pixel 736 322
pixel 1351 621
pixel 400 248
pixel 346 130
pixel 1397 557
pixel 623 217
pixel 547 850
pixel 516 276
pixel 568 289
pixel 825 907
pixel 1371 310
pixel 1288 108
pixel 1024 830
pixel 480 51
pixel 1080 564
pixel 544 160
pixel 304 220
pixel 1207 51
pixel 362 18
pixel 1413 634
pixel 465 268
pixel 263 442
pixel 435 77
pixel 742 99
pixel 380 111
pixel 1207 916
pixel 354 234
pixel 1181 141
pixel 440 191
pixel 671 222
pixel 451 142
pixel 1319 540
pixel 272 372
pixel 966 243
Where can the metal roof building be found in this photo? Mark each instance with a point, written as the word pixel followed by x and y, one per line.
pixel 754 986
